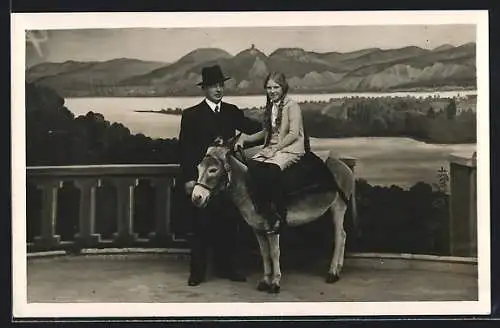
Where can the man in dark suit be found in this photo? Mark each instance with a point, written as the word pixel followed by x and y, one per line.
pixel 216 224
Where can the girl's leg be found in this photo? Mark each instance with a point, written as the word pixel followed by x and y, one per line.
pixel 264 177
pixel 281 162
pixel 257 184
pixel 277 197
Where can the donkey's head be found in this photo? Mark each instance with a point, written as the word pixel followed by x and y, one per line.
pixel 214 171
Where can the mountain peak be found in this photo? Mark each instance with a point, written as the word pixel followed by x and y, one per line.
pixel 122 59
pixel 415 48
pixel 204 54
pixel 307 71
pixel 289 52
pixel 73 62
pixel 252 51
pixel 468 45
pixel 132 61
pixel 443 47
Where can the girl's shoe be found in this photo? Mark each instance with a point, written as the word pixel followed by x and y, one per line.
pixel 275 229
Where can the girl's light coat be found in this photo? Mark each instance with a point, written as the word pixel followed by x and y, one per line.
pixel 291 132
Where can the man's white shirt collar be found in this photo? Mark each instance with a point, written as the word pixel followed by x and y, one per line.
pixel 212 105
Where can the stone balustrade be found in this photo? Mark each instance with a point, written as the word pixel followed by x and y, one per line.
pixel 125 178
pixel 87 178
pixel 462 221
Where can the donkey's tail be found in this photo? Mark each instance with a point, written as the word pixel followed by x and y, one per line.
pixel 354 211
pixel 345 183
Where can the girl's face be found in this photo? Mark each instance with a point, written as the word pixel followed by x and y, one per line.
pixel 274 90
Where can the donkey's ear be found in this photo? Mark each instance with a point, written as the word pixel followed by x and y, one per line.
pixel 232 141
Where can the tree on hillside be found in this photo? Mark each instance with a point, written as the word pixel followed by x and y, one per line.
pixel 55 137
pixel 451 109
pixel 431 113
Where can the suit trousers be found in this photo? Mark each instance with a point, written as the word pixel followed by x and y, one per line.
pixel 215 227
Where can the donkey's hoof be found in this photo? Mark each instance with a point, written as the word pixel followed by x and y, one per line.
pixel 332 278
pixel 263 286
pixel 274 289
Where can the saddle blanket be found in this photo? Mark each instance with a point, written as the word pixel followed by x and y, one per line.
pixel 310 174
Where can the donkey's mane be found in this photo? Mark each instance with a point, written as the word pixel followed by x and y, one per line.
pixel 239 161
pixel 221 151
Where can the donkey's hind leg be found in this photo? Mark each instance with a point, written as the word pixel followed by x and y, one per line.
pixel 274 250
pixel 338 210
pixel 265 282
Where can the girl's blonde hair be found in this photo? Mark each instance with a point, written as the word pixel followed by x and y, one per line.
pixel 280 79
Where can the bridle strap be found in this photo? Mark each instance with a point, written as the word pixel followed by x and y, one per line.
pixel 204 186
pixel 210 189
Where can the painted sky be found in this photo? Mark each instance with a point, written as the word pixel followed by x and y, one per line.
pixel 168 45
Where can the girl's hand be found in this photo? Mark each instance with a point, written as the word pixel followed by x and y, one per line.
pixel 239 144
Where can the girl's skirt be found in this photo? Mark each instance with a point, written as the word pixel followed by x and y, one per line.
pixel 282 159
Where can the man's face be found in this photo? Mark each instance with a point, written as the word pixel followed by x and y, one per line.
pixel 214 92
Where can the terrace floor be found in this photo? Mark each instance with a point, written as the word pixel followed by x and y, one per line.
pixel 141 278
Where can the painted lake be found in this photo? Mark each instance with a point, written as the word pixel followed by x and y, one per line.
pixel 383 161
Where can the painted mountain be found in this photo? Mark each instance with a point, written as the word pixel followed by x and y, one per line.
pixel 408 68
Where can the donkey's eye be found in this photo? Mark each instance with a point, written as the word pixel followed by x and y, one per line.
pixel 212 170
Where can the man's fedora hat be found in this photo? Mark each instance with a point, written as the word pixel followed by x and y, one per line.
pixel 212 75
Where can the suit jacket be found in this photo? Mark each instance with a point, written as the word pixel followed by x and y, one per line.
pixel 291 125
pixel 200 126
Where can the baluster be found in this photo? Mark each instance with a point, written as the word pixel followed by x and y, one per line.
pixel 473 211
pixel 125 211
pixel 86 237
pixel 48 237
pixel 163 192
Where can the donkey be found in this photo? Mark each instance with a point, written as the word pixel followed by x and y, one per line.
pixel 223 170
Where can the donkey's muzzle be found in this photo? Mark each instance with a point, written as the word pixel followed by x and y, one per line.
pixel 197 200
pixel 200 196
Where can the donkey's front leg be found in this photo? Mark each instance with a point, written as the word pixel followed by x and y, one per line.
pixel 265 282
pixel 274 245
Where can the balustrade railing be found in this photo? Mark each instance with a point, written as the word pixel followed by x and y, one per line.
pixel 125 178
pixel 87 179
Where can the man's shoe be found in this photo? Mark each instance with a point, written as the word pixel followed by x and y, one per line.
pixel 276 229
pixel 194 281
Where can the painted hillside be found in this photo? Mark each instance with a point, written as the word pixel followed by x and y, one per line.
pixel 366 70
